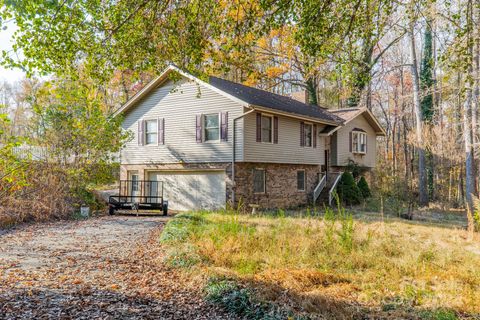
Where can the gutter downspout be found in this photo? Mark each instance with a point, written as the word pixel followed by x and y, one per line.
pixel 233 152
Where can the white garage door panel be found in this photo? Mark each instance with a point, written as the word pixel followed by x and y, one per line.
pixel 192 190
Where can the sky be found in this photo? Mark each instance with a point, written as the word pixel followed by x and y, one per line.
pixel 6 44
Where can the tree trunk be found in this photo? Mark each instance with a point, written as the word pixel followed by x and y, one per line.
pixel 469 158
pixel 124 86
pixel 311 85
pixel 476 95
pixel 467 126
pixel 422 181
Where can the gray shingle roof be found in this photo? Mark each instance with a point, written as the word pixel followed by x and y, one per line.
pixel 262 98
pixel 348 113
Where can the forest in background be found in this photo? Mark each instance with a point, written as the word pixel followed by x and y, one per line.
pixel 415 64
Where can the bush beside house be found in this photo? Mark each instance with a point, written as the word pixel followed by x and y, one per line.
pixel 364 188
pixel 348 191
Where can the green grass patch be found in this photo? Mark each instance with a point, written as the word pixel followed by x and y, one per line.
pixel 316 261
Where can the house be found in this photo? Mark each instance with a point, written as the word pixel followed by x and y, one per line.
pixel 209 143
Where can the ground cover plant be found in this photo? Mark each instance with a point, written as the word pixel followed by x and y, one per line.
pixel 329 264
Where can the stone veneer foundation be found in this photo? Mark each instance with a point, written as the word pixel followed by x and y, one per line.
pixel 281 184
pixel 281 181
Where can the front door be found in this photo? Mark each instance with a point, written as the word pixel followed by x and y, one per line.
pixel 133 186
pixel 327 160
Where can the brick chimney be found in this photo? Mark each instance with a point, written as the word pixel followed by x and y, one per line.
pixel 301 96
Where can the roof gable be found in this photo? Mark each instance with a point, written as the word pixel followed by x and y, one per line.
pixel 163 77
pixel 348 114
pixel 246 96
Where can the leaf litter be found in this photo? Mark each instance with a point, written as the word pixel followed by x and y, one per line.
pixel 101 268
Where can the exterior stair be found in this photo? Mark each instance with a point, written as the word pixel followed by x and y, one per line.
pixel 325 195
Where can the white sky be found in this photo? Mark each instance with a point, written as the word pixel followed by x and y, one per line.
pixel 6 44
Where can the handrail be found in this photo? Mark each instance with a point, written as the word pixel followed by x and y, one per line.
pixel 319 188
pixel 332 189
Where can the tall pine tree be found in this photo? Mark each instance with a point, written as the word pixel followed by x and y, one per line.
pixel 426 86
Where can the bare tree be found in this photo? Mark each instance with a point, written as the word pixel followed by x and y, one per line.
pixel 422 179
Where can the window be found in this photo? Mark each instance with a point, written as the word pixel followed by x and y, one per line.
pixel 258 181
pixel 151 132
pixel 267 128
pixel 359 142
pixel 212 127
pixel 301 180
pixel 307 132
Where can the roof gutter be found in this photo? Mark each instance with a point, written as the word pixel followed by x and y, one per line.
pixel 292 115
pixel 327 134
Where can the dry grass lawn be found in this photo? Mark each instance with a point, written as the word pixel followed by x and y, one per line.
pixel 334 265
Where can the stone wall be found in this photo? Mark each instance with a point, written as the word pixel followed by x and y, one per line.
pixel 281 185
pixel 281 181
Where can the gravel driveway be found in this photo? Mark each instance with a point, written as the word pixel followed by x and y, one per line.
pixel 101 268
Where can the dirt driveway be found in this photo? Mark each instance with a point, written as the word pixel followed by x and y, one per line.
pixel 101 268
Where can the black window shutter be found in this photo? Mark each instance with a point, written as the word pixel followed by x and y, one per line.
pixel 224 126
pixel 314 135
pixel 161 131
pixel 198 128
pixel 259 127
pixel 140 133
pixel 302 134
pixel 275 129
pixel 351 140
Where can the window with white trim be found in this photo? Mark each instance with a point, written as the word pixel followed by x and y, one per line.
pixel 301 180
pixel 307 132
pixel 258 180
pixel 267 126
pixel 211 125
pixel 151 131
pixel 359 142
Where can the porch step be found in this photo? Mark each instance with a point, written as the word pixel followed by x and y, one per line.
pixel 324 195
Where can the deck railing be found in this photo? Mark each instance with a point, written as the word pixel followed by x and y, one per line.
pixel 319 188
pixel 332 189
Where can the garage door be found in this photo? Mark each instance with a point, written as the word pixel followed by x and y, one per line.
pixel 192 190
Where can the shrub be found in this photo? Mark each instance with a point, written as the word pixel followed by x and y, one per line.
pixel 347 190
pixel 355 169
pixel 234 299
pixel 440 314
pixel 242 302
pixel 364 188
pixel 179 228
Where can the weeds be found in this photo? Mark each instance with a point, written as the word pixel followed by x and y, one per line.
pixel 389 262
pixel 242 302
pixel 346 230
pixel 440 314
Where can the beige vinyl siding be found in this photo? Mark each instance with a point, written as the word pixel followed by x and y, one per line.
pixel 179 108
pixel 288 149
pixel 341 141
pixel 239 140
